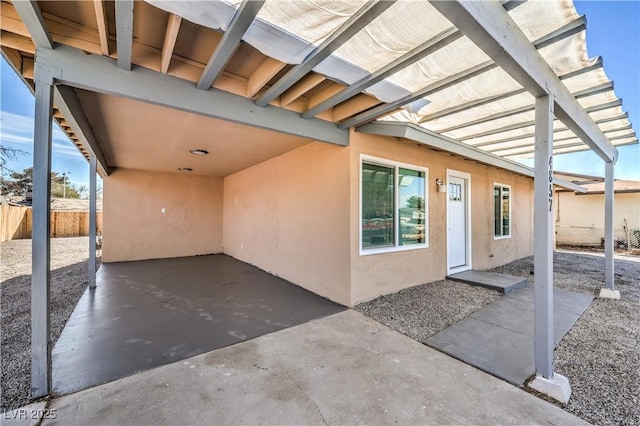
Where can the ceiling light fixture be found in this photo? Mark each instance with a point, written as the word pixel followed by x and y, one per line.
pixel 185 169
pixel 198 151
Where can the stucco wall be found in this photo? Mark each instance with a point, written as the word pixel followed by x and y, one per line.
pixel 374 275
pixel 135 227
pixel 290 216
pixel 580 218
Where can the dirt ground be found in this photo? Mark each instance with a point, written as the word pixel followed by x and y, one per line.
pixel 68 281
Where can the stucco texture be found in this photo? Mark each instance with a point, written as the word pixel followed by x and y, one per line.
pixel 374 275
pixel 290 216
pixel 297 216
pixel 135 227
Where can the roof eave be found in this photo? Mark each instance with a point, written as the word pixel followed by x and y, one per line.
pixel 426 137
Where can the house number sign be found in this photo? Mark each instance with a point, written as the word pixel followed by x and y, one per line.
pixel 550 182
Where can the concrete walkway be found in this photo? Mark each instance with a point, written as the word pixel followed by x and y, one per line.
pixel 341 369
pixel 498 338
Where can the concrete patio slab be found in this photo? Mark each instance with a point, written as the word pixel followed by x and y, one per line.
pixel 341 369
pixel 150 313
pixel 492 280
pixel 498 338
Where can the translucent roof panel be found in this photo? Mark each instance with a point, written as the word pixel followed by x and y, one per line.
pixel 439 91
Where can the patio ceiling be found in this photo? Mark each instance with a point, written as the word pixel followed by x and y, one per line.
pixel 131 138
pixel 347 63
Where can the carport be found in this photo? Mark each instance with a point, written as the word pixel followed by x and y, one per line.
pixel 149 313
pixel 505 84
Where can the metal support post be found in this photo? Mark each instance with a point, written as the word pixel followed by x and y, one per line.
pixel 92 220
pixel 546 380
pixel 543 229
pixel 608 292
pixel 41 249
pixel 608 225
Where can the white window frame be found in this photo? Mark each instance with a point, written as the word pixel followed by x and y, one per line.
pixel 493 188
pixel 396 217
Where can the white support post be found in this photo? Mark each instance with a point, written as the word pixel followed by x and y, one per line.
pixel 92 220
pixel 608 292
pixel 41 248
pixel 546 380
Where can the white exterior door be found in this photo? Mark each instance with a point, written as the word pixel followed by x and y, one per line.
pixel 458 232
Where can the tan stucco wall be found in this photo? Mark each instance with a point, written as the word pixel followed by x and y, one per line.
pixel 374 275
pixel 135 227
pixel 580 218
pixel 290 216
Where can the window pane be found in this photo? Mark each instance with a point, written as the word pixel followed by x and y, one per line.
pixel 377 206
pixel 497 212
pixel 506 200
pixel 411 208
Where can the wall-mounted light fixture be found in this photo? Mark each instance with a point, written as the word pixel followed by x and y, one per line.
pixel 440 185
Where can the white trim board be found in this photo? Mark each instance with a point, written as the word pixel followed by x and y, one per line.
pixel 469 231
pixel 421 135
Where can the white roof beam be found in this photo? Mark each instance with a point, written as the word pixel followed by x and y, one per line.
pixel 578 142
pixel 574 27
pixel 563 150
pixel 605 87
pixel 124 32
pixel 31 16
pixel 230 41
pixel 96 73
pixel 438 42
pixel 530 143
pixel 471 104
pixel 528 108
pixel 491 28
pixel 596 65
pixel 529 124
pixel 553 37
pixel 351 27
pixel 383 109
pixel 512 4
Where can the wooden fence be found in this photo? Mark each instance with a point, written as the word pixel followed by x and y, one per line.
pixel 17 223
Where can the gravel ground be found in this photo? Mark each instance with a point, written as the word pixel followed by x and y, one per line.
pixel 600 355
pixel 422 311
pixel 68 281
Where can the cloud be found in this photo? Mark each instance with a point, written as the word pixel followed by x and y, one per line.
pixel 18 130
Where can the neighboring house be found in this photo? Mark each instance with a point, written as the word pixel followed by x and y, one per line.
pixel 580 216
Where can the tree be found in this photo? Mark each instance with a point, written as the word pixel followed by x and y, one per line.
pixel 415 202
pixel 19 183
pixel 8 153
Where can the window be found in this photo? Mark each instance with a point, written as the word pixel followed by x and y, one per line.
pixel 393 210
pixel 502 210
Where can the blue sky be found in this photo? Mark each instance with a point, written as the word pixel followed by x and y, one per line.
pixel 612 32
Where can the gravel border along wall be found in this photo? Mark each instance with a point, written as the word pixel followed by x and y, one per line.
pixel 600 354
pixel 68 282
